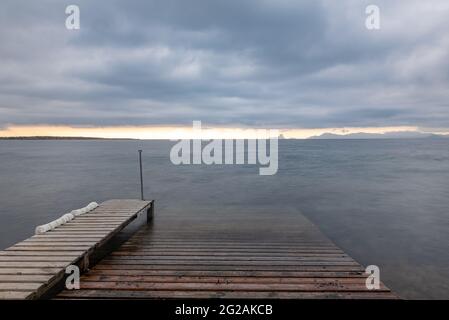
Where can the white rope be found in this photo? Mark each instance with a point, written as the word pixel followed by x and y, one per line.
pixel 65 218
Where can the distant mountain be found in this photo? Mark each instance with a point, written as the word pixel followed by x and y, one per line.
pixel 388 135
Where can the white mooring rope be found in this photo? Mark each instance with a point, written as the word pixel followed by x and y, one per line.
pixel 65 218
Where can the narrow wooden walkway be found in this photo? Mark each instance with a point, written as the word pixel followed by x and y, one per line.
pixel 31 268
pixel 213 256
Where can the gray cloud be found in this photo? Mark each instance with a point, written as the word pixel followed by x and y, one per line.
pixel 259 63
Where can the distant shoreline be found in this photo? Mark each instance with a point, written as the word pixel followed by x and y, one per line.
pixel 315 138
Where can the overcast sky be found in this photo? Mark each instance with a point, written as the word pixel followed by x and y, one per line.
pixel 272 64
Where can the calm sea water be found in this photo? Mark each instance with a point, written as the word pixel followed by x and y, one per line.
pixel 385 202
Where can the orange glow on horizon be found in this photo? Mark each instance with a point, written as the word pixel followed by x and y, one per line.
pixel 178 132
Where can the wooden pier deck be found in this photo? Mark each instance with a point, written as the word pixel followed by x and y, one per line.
pixel 221 256
pixel 32 268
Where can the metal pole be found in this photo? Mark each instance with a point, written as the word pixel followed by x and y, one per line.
pixel 141 175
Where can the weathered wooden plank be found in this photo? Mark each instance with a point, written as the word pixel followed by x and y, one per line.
pixel 42 253
pixel 249 244
pixel 188 262
pixel 236 244
pixel 109 215
pixel 84 229
pixel 56 243
pixel 94 277
pixel 32 264
pixel 149 251
pixel 26 278
pixel 37 243
pixel 230 273
pixel 62 240
pixel 95 224
pixel 207 247
pixel 230 254
pixel 298 248
pixel 65 259
pixel 225 286
pixel 226 268
pixel 28 271
pixel 19 286
pixel 77 233
pixel 15 295
pixel 48 248
pixel 104 220
pixel 181 258
pixel 223 254
pixel 56 237
pixel 148 294
pixel 217 240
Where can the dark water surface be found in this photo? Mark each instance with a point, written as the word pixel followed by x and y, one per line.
pixel 385 202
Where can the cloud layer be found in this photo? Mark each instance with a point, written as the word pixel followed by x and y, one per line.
pixel 258 63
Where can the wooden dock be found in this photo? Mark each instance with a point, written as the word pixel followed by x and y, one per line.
pixel 34 267
pixel 227 256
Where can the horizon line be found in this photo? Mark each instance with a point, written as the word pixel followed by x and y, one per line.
pixel 167 132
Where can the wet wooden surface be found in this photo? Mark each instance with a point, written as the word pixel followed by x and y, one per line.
pixel 227 256
pixel 32 267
